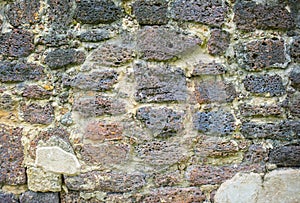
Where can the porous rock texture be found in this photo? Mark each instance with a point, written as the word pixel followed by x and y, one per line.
pixel 171 101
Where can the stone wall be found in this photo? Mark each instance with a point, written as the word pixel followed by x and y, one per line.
pixel 149 101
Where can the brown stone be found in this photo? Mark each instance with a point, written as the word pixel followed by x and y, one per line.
pixel 218 42
pixel 37 114
pixel 212 68
pixel 102 131
pixel 248 110
pixel 286 156
pixel 167 179
pixel 36 92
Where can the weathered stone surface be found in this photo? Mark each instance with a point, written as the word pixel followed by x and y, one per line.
pixel 286 156
pixel 107 154
pixel 106 181
pixel 214 122
pixel 94 35
pixel 98 80
pixel 41 181
pixel 54 39
pixel 209 12
pixel 8 198
pixel 7 102
pixel 218 42
pixel 241 188
pixel 36 92
pixel 60 58
pixel 281 186
pixel 160 153
pixel 98 105
pixel 167 179
pixel 112 55
pixel 264 84
pixel 19 71
pixel 260 54
pixel 293 104
pixel 214 91
pixel 17 43
pixel 212 68
pixel 23 12
pixel 256 154
pixel 285 130
pixel 175 195
pixel 37 114
pixel 103 131
pixel 162 43
pixel 159 83
pixel 95 12
pixel 162 122
pixel 295 77
pixel 151 12
pixel 250 15
pixel 295 49
pixel 60 14
pixel 248 110
pixel 11 170
pixel 37 197
pixel 56 160
pixel 202 175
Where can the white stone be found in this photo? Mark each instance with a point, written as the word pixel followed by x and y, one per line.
pixel 242 188
pixel 56 160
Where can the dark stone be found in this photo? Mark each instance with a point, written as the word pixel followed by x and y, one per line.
pixel 94 36
pixel 98 80
pixel 60 14
pixel 295 77
pixel 214 91
pixel 38 197
pixel 162 43
pixel 95 11
pixel 151 12
pixel 212 68
pixel 7 102
pixel 37 114
pixel 12 171
pixel 36 92
pixel 286 156
pixel 90 106
pixel 248 110
pixel 293 104
pixel 250 16
pixel 260 54
pixel 209 12
pixel 295 49
pixel 264 84
pixel 218 42
pixel 167 179
pixel 54 39
pixel 19 71
pixel 159 83
pixel 162 122
pixel 8 198
pixel 112 55
pixel 60 58
pixel 106 181
pixel 17 43
pixel 175 194
pixel 256 154
pixel 102 131
pixel 286 130
pixel 214 123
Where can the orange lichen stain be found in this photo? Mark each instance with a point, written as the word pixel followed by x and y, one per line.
pixel 48 87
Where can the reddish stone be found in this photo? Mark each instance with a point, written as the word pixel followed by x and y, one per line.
pixel 167 179
pixel 212 68
pixel 37 114
pixel 218 42
pixel 36 92
pixel 101 131
pixel 260 110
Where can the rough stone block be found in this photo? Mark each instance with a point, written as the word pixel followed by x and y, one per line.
pixel 54 39
pixel 116 182
pixel 60 58
pixel 35 197
pixel 162 43
pixel 97 80
pixel 250 16
pixel 37 114
pixel 159 83
pixel 112 55
pixel 23 12
pixel 295 77
pixel 214 122
pixel 295 49
pixel 12 171
pixel 212 68
pixel 260 54
pixel 218 42
pixel 95 12
pixel 17 43
pixel 286 156
pixel 293 104
pixel 103 131
pixel 90 106
pixel 248 110
pixel 107 154
pixel 175 195
pixel 286 130
pixel 7 102
pixel 209 12
pixel 8 198
pixel 214 91
pixel 167 179
pixel 264 84
pixel 60 14
pixel 94 35
pixel 36 92
pixel 151 12
pixel 19 71
pixel 256 154
pixel 162 122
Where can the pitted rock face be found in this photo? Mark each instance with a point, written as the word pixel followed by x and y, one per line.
pixel 260 110
pixel 8 197
pixel 211 68
pixel 295 77
pixel 94 35
pixel 37 114
pixel 36 92
pixel 103 131
pixel 286 156
pixel 218 42
pixel 34 197
pixel 295 49
pixel 60 14
pixel 95 11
